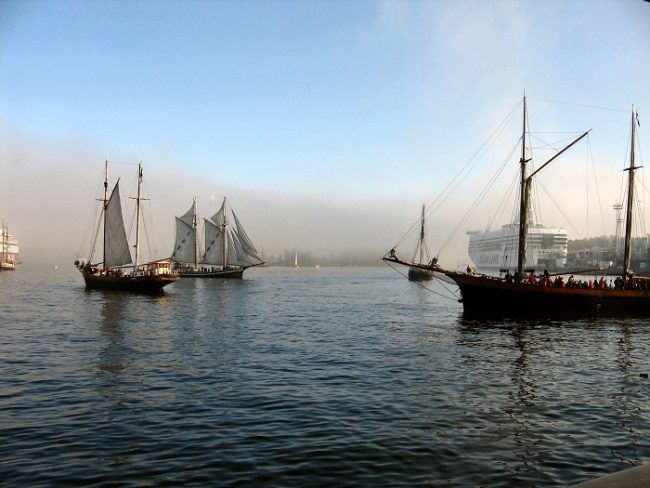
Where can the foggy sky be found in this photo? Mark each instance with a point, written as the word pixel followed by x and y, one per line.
pixel 48 191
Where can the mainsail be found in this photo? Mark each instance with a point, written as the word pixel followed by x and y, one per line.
pixel 226 245
pixel 116 250
pixel 185 245
pixel 213 244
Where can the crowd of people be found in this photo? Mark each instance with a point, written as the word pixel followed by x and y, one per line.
pixel 558 281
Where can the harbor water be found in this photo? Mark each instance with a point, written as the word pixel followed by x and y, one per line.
pixel 308 377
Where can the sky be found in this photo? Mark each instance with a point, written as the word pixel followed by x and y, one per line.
pixel 327 123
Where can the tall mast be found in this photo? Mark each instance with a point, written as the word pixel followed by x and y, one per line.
pixel 422 237
pixel 137 218
pixel 630 204
pixel 524 193
pixel 224 223
pixel 105 205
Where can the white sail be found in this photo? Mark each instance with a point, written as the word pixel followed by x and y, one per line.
pixel 185 244
pixel 213 244
pixel 117 252
pixel 247 246
pixel 233 259
pixel 218 217
pixel 243 258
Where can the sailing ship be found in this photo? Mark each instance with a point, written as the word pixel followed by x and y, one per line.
pixel 9 249
pixel 420 266
pixel 418 273
pixel 228 249
pixel 118 270
pixel 523 292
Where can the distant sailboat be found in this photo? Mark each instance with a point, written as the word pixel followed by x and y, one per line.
pixel 417 273
pixel 228 249
pixel 118 270
pixel 7 259
pixel 295 261
pixel 419 265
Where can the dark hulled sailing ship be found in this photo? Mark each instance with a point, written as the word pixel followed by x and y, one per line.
pixel 118 270
pixel 520 294
pixel 228 249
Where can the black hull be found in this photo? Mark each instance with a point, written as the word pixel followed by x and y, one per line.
pixel 233 274
pixel 419 274
pixel 493 296
pixel 153 284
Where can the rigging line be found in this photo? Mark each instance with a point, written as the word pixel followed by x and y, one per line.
pixel 479 198
pixel 419 283
pixel 502 205
pixel 511 229
pixel 609 109
pixel 93 217
pixel 483 148
pixel 590 156
pixel 560 209
pixel 155 231
pixel 553 145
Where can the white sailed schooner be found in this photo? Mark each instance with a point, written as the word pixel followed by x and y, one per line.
pixel 228 249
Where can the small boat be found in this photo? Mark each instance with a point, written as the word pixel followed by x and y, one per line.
pixel 9 249
pixel 118 270
pixel 418 273
pixel 419 264
pixel 525 292
pixel 228 249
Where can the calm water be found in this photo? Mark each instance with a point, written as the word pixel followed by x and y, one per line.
pixel 304 377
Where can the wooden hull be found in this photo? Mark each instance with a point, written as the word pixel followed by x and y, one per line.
pixel 488 295
pixel 235 274
pixel 419 274
pixel 150 284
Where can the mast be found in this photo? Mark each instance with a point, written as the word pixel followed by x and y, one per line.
pixel 524 194
pixel 630 204
pixel 526 184
pixel 137 218
pixel 422 237
pixel 224 223
pixel 105 205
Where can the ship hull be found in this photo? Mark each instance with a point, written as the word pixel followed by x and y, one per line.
pixel 492 296
pixel 419 274
pixel 151 284
pixel 233 274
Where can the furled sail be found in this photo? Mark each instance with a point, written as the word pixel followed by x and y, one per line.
pixel 213 244
pixel 185 244
pixel 117 252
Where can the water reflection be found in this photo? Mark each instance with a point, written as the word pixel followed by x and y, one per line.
pixel 113 311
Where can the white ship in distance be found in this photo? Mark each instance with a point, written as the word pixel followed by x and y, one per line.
pixel 497 249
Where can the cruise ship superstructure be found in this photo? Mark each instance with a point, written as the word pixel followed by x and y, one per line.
pixel 497 249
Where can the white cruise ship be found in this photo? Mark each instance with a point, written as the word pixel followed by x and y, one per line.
pixel 497 249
